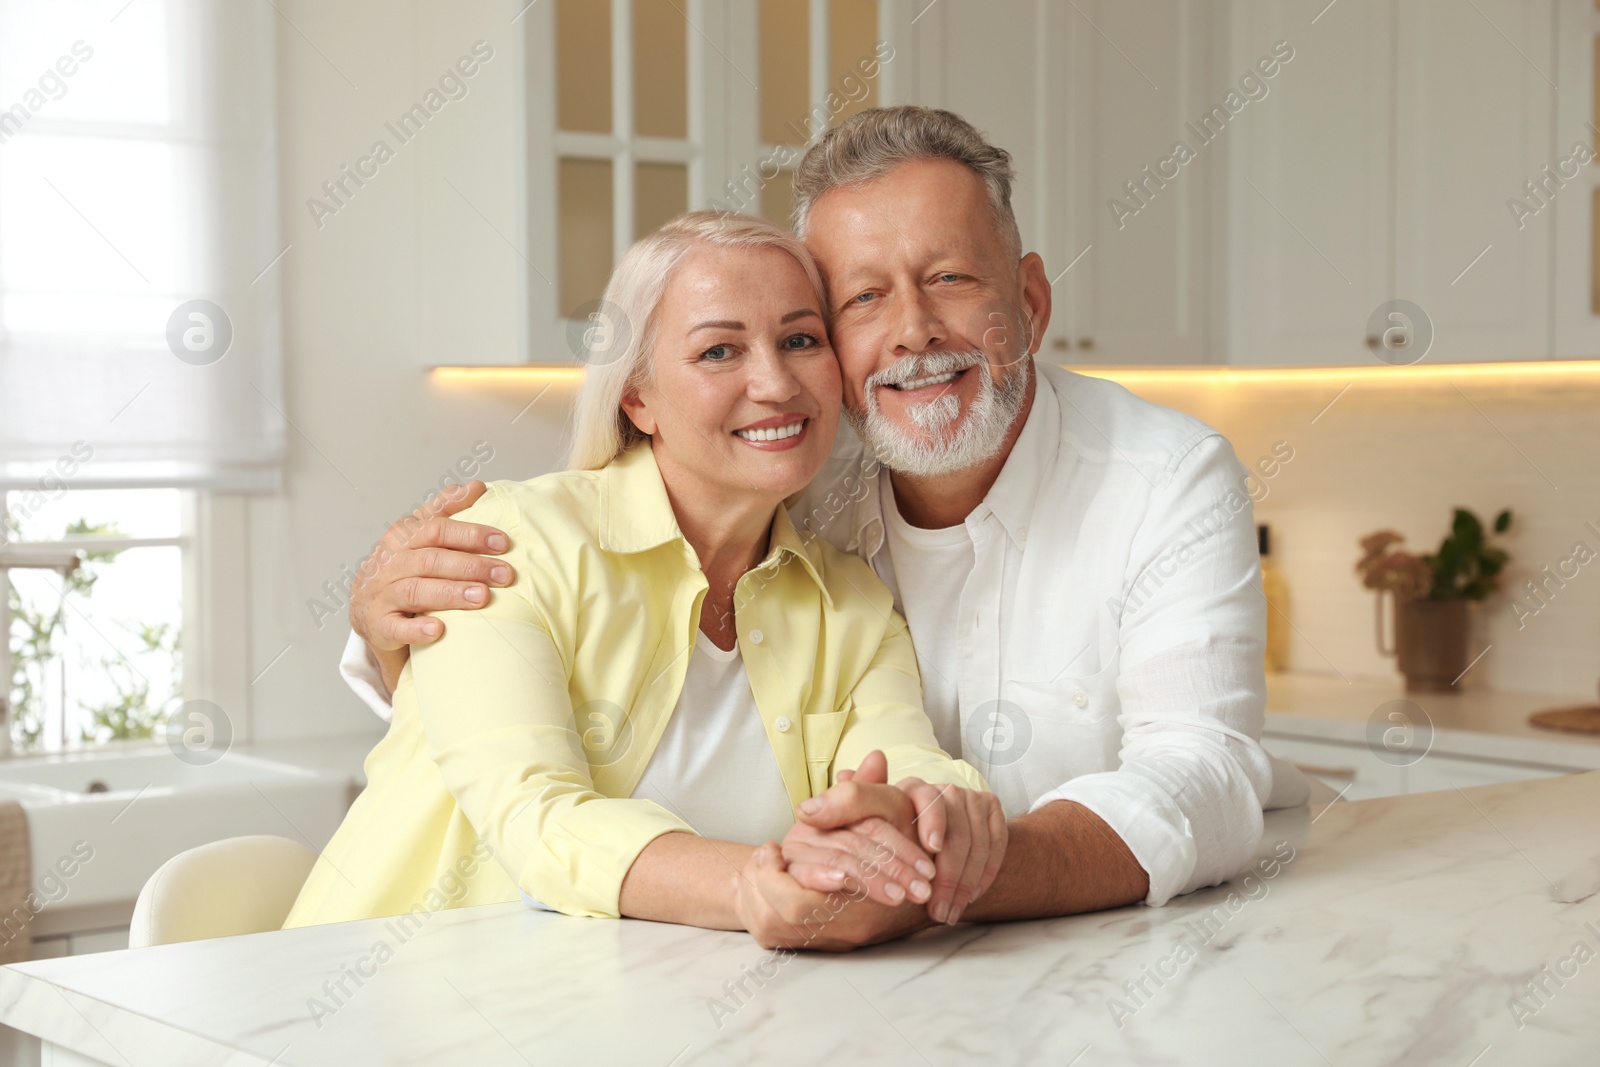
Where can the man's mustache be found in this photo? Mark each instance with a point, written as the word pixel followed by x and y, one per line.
pixel 924 365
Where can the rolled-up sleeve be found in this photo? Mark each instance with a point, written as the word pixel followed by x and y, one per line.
pixel 493 701
pixel 1187 794
pixel 886 713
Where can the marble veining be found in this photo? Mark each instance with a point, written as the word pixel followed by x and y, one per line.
pixel 1432 928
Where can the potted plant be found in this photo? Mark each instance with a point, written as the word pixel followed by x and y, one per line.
pixel 1431 595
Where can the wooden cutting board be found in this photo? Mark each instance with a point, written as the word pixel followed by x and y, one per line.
pixel 1579 719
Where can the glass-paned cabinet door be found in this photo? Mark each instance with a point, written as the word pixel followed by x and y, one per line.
pixel 819 65
pixel 639 110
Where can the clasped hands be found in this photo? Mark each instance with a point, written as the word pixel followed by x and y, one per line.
pixel 868 862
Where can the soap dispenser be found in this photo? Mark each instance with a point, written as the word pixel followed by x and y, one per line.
pixel 1277 594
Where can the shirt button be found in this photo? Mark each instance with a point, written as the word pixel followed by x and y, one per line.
pixel 783 724
pixel 1022 533
pixel 1081 699
pixel 756 637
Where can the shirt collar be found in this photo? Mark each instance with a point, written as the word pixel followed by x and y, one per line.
pixel 636 515
pixel 1012 497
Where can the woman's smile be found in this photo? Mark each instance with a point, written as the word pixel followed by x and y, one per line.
pixel 776 434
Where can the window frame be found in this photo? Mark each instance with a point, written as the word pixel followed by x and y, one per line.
pixel 214 636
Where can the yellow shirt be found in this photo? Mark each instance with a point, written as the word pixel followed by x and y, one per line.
pixel 517 738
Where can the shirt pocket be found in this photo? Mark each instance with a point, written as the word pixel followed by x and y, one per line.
pixel 819 736
pixel 1082 694
pixel 1072 728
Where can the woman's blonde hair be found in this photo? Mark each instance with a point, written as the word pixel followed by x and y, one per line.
pixel 624 331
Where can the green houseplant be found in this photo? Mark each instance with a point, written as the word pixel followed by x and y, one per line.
pixel 1431 595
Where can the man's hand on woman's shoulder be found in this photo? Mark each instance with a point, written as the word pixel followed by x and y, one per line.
pixel 425 562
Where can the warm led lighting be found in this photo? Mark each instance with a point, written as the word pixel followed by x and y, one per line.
pixel 508 375
pixel 1439 372
pixel 1160 375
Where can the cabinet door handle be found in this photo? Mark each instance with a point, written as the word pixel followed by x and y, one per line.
pixel 1086 343
pixel 1327 772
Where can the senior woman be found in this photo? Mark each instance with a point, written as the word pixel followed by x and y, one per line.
pixel 627 727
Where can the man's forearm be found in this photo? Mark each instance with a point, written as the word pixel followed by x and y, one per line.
pixel 1061 860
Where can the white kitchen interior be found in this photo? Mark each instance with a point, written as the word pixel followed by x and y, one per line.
pixel 1360 238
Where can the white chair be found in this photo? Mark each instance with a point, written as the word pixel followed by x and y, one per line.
pixel 241 885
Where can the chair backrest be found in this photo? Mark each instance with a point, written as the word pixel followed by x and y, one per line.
pixel 241 885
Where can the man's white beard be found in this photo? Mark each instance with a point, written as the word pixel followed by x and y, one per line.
pixel 979 437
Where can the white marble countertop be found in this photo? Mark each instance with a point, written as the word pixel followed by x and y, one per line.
pixel 1395 931
pixel 1478 723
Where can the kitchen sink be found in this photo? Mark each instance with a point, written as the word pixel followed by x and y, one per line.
pixel 91 774
pixel 131 811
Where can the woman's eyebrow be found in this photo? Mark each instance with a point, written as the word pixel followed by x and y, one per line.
pixel 729 324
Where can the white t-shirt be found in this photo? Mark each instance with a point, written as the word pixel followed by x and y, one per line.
pixel 714 766
pixel 927 570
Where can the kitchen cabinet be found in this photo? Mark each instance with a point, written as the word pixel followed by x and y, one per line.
pixel 1382 169
pixel 1363 775
pixel 1382 158
pixel 1376 161
pixel 1575 210
pixel 1474 99
pixel 1353 769
pixel 1436 772
pixel 1141 219
pixel 1308 204
pixel 1092 99
pixel 1333 728
pixel 1192 208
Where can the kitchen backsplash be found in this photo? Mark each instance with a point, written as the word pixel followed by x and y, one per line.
pixel 1403 454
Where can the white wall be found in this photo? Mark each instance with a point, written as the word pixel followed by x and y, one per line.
pixel 405 275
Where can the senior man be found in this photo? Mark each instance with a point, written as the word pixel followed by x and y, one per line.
pixel 1078 567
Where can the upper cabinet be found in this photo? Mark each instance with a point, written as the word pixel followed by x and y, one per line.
pixel 1383 172
pixel 1209 181
pixel 1574 195
pixel 1259 181
pixel 1091 99
pixel 1474 98
pixel 1129 122
pixel 1308 200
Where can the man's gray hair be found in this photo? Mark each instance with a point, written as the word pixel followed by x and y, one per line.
pixel 870 144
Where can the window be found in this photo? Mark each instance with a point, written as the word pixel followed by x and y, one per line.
pixel 138 233
pixel 640 110
pixel 139 363
pixel 94 609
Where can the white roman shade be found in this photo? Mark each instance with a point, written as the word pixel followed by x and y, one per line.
pixel 138 195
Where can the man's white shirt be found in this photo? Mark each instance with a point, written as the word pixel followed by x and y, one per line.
pixel 1104 642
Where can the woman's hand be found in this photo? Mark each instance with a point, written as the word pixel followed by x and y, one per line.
pixel 964 829
pixel 969 838
pixel 869 857
pixel 780 913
